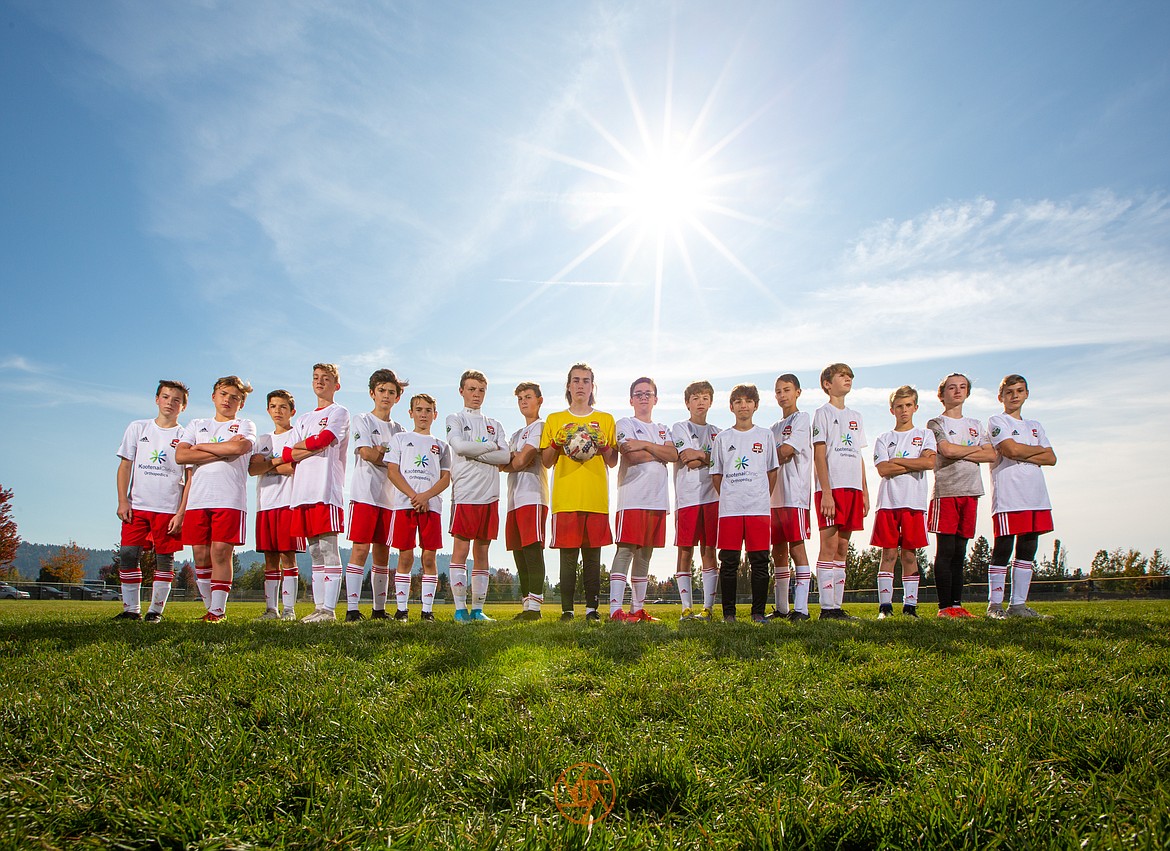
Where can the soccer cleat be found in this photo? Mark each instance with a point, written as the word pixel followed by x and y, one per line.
pixel 618 616
pixel 910 611
pixel 289 615
pixel 462 616
pixel 478 615
pixel 592 616
pixel 729 618
pixel 759 618
pixel 995 612
pixel 321 616
pixel 153 617
pixel 843 615
pixel 1022 610
pixel 566 616
pixel 947 612
pixel 704 616
pixel 269 615
pixel 530 615
pixel 379 615
pixel 127 616
pixel 427 617
pixel 776 615
pixel 210 618
pixel 687 615
pixel 885 610
pixel 960 612
pixel 353 616
pixel 520 616
pixel 401 615
pixel 796 617
pixel 641 616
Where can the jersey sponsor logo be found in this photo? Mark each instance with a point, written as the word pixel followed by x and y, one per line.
pixel 421 461
pixel 905 453
pixel 847 440
pixel 159 456
pixel 853 425
pixel 757 448
pixel 741 463
pixel 917 441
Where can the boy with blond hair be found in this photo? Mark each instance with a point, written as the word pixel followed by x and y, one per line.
pixel 478 449
pixel 643 500
pixel 274 535
pixel 1020 507
pixel 696 502
pixel 527 502
pixel 152 498
pixel 842 495
pixel 320 451
pixel 370 497
pixel 902 457
pixel 419 467
pixel 963 445
pixel 743 471
pixel 219 449
pixel 790 498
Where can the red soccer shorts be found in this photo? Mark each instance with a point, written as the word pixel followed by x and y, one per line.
pixel 953 515
pixel 790 525
pixel 312 521
pixel 149 529
pixel 476 522
pixel 641 527
pixel 408 526
pixel 850 515
pixel 696 525
pixel 751 532
pixel 368 524
pixel 274 532
pixel 525 526
pixel 572 529
pixel 1022 522
pixel 202 526
pixel 899 527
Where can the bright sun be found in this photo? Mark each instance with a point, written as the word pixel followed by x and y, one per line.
pixel 665 190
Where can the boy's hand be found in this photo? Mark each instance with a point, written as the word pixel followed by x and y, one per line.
pixel 829 506
pixel 865 503
pixel 419 504
pixel 125 513
pixel 176 524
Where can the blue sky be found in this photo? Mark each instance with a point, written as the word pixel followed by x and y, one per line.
pixel 683 190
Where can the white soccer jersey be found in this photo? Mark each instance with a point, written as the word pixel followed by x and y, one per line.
pixel 693 487
pixel 844 437
pixel 369 484
pixel 272 489
pixel 320 478
pixel 794 481
pixel 530 485
pixel 478 446
pixel 421 458
pixel 909 489
pixel 222 483
pixel 743 459
pixel 156 482
pixel 642 485
pixel 1017 485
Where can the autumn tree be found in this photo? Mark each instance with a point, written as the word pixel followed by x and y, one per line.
pixel 9 539
pixel 67 567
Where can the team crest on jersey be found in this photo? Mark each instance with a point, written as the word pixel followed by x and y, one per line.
pixel 816 430
pixel 661 434
pixel 678 444
pixel 491 429
pixel 435 449
pixel 853 425
pixel 757 448
pixel 234 428
pixel 786 431
pixel 174 443
pixel 1035 434
pixel 973 432
pixel 324 421
pixel 741 463
pixel 917 441
pixel 995 431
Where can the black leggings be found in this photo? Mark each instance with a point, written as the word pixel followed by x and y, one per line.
pixel 949 555
pixel 530 569
pixel 729 567
pixel 590 576
pixel 1025 546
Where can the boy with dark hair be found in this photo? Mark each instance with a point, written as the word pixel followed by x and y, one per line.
pixel 790 498
pixel 527 502
pixel 696 511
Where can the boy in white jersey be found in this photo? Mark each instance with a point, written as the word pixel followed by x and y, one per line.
pixel 419 467
pixel 527 502
pixel 320 451
pixel 790 497
pixel 219 449
pixel 1021 510
pixel 371 496
pixel 962 446
pixel 152 498
pixel 643 500
pixel 902 457
pixel 696 502
pixel 274 516
pixel 842 495
pixel 478 449
pixel 743 471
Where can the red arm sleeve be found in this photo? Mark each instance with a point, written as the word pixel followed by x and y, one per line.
pixel 319 441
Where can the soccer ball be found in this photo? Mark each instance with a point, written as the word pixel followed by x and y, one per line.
pixel 580 445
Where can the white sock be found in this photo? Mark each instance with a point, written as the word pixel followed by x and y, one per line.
pixel 638 593
pixel 617 592
pixel 288 588
pixel 783 579
pixel 219 595
pixel 839 583
pixel 800 595
pixel 479 587
pixel 710 585
pixel 401 590
pixel 1021 582
pixel 131 590
pixel 683 581
pixel 319 586
pixel 355 574
pixel 885 582
pixel 996 580
pixel 203 583
pixel 825 584
pixel 380 585
pixel 534 602
pixel 428 592
pixel 333 570
pixel 459 585
pixel 160 589
pixel 272 590
pixel 910 590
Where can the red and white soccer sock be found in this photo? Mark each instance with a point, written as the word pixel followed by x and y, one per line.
pixel 710 586
pixel 640 579
pixel 355 575
pixel 479 586
pixel 800 595
pixel 203 584
pixel 130 575
pixel 429 583
pixel 1021 582
pixel 333 570
pixel 622 559
pixel 288 588
pixel 219 597
pixel 783 579
pixel 996 580
pixel 164 577
pixel 380 585
pixel 825 586
pixel 839 583
pixel 272 589
pixel 318 586
pixel 885 583
pixel 402 590
pixel 533 602
pixel 458 576
pixel 910 590
pixel 683 582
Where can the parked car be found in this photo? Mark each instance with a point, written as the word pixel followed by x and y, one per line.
pixel 99 591
pixel 8 592
pixel 48 592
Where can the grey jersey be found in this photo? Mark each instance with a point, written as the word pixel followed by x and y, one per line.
pixel 957 477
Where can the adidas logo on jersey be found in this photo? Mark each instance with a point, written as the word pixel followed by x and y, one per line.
pixel 144 439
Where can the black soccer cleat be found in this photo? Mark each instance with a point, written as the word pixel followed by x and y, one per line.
pixel 378 615
pixel 427 617
pixel 353 616
pixel 566 616
pixel 910 611
pixel 153 617
pixel 127 616
pixel 593 616
pixel 795 616
pixel 402 615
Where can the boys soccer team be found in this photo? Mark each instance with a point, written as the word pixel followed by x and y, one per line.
pixel 743 490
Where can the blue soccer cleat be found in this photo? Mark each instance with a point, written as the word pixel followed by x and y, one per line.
pixel 462 616
pixel 478 615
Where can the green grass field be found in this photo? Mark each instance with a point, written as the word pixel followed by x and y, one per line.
pixel 895 734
